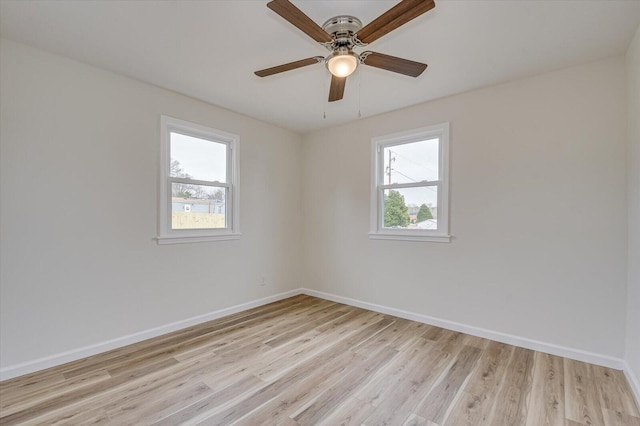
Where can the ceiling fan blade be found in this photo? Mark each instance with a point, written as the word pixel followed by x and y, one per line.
pixel 336 91
pixel 296 17
pixel 393 63
pixel 290 66
pixel 398 15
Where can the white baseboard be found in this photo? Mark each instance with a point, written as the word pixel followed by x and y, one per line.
pixel 75 354
pixel 79 353
pixel 633 379
pixel 577 354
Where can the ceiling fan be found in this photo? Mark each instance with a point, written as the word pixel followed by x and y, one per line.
pixel 341 34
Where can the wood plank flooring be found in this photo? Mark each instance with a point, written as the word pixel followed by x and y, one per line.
pixel 308 361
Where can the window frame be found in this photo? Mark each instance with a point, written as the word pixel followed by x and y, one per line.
pixel 377 229
pixel 167 235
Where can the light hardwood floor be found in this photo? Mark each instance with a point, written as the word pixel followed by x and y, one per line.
pixel 307 361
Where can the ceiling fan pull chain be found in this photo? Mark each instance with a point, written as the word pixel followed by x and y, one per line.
pixel 359 94
pixel 324 109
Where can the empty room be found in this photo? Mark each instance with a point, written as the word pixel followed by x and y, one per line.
pixel 300 212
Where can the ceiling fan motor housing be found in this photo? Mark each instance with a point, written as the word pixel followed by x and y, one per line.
pixel 343 29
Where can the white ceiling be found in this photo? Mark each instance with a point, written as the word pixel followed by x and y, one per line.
pixel 209 49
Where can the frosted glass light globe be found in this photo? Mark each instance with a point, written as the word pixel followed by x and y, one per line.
pixel 342 64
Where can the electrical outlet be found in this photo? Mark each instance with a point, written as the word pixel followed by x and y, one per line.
pixel 263 281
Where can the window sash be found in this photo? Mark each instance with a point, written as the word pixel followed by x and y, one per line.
pixel 188 181
pixel 411 185
pixel 381 228
pixel 228 202
pixel 195 134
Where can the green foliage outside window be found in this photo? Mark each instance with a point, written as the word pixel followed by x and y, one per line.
pixel 396 212
pixel 424 213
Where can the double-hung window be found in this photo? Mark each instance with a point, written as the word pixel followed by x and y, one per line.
pixel 198 183
pixel 410 188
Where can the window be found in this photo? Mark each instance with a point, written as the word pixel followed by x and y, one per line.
pixel 198 183
pixel 410 188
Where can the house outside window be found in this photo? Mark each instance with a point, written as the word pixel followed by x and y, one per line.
pixel 199 180
pixel 410 187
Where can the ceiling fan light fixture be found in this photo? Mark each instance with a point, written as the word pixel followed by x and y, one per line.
pixel 342 33
pixel 342 62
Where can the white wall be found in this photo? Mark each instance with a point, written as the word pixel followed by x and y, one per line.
pixel 538 211
pixel 79 165
pixel 633 190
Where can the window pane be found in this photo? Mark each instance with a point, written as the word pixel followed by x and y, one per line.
pixel 198 207
pixel 411 208
pixel 197 158
pixel 411 162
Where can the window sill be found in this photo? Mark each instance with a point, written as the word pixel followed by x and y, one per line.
pixel 410 237
pixel 196 239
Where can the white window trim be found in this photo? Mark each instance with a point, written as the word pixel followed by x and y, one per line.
pixel 377 231
pixel 166 235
